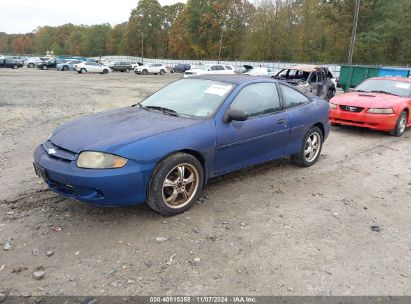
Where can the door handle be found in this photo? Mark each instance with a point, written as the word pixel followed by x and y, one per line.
pixel 282 121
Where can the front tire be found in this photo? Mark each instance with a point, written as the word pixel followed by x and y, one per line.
pixel 401 125
pixel 162 72
pixel 144 72
pixel 127 70
pixel 83 71
pixel 65 68
pixel 310 148
pixel 44 67
pixel 105 71
pixel 30 65
pixel 176 184
pixel 15 67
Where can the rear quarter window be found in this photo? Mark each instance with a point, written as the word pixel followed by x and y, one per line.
pixel 292 98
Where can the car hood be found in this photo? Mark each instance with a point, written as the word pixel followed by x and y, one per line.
pixel 108 131
pixel 367 100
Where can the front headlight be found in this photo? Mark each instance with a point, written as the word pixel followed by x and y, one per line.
pixel 99 160
pixel 333 105
pixel 380 111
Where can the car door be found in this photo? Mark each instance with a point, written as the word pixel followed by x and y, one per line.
pixel 299 113
pixel 261 137
pixel 317 84
pixel 90 67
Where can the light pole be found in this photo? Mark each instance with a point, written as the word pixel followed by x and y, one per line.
pixel 354 31
pixel 142 46
pixel 142 36
pixel 221 44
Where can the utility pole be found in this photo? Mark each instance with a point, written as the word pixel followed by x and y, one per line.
pixel 142 47
pixel 221 44
pixel 354 31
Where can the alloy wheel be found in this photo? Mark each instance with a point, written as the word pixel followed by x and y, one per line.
pixel 403 124
pixel 312 147
pixel 180 185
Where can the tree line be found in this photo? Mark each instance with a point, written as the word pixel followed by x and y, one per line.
pixel 266 30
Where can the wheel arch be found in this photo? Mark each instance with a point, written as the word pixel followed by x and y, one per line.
pixel 191 152
pixel 320 126
pixel 407 110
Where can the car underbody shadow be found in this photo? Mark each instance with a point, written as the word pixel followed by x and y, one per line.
pixel 249 172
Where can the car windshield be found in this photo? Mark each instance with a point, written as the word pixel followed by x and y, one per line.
pixel 394 87
pixel 189 97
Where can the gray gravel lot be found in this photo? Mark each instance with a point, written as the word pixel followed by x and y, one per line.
pixel 274 229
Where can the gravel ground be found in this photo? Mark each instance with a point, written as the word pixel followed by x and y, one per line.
pixel 274 229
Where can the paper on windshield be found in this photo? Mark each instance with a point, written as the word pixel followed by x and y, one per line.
pixel 402 85
pixel 216 89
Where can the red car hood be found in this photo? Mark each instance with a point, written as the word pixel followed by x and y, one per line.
pixel 368 100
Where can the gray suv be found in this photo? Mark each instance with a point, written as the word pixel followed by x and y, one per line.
pixel 313 80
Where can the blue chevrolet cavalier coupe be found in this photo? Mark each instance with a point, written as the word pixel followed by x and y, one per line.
pixel 163 150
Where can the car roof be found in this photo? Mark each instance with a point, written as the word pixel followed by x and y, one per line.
pixel 234 79
pixel 404 79
pixel 306 67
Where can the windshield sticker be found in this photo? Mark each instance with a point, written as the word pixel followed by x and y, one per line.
pixel 219 90
pixel 402 85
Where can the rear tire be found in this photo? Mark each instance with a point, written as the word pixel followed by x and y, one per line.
pixel 162 72
pixel 65 68
pixel 30 65
pixel 401 125
pixel 127 70
pixel 105 71
pixel 310 149
pixel 14 67
pixel 144 72
pixel 176 184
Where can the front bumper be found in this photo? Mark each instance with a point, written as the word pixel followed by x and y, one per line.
pixel 382 122
pixel 105 187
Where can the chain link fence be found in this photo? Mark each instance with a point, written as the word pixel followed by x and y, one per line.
pixel 334 68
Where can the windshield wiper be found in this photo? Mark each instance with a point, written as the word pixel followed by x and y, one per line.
pixel 161 109
pixel 384 92
pixel 362 91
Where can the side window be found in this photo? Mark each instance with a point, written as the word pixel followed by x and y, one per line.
pixel 323 76
pixel 228 67
pixel 257 99
pixel 313 77
pixel 292 98
pixel 213 68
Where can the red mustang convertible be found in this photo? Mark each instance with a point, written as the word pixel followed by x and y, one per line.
pixel 378 103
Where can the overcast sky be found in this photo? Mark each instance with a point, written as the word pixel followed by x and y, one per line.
pixel 23 16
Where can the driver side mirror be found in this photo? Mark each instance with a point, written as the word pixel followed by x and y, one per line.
pixel 236 115
pixel 350 90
